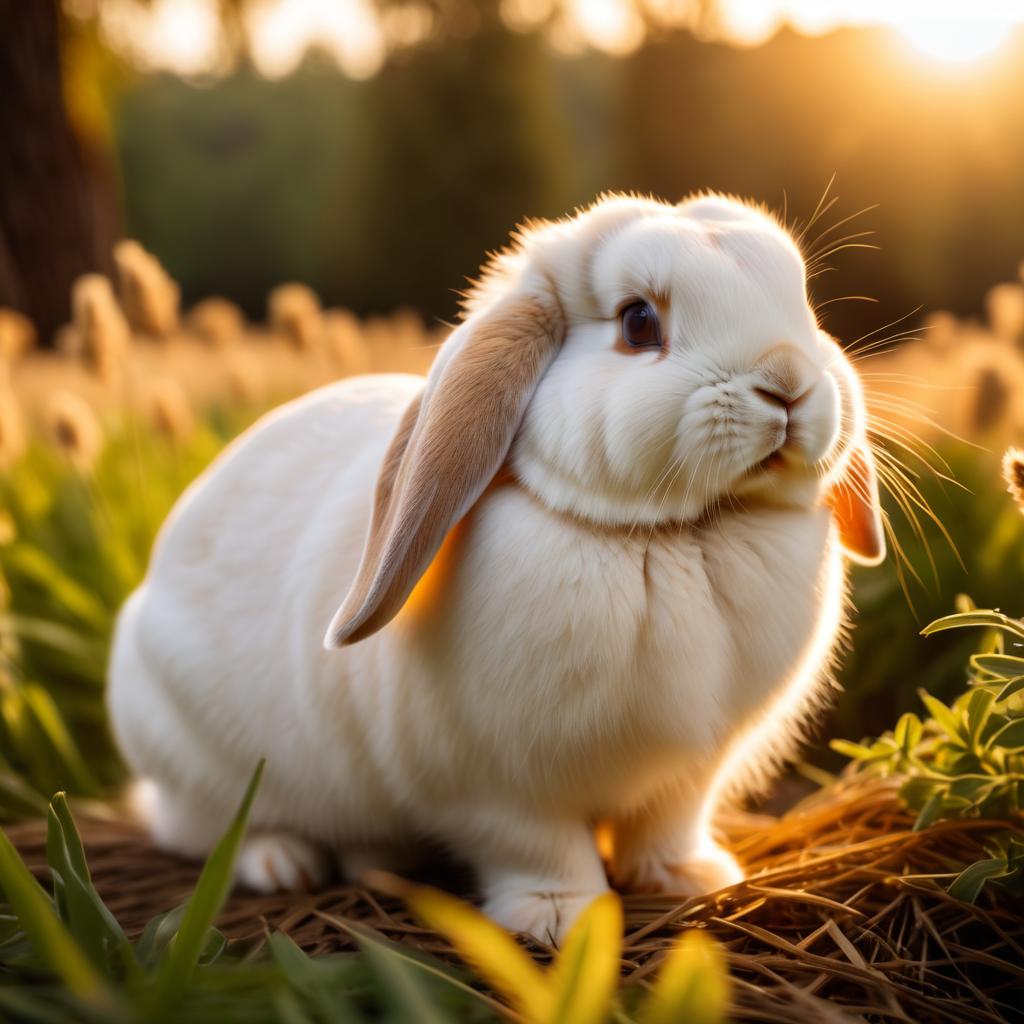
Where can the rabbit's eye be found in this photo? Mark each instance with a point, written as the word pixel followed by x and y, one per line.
pixel 640 326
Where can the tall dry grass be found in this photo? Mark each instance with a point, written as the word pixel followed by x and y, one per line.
pixel 129 352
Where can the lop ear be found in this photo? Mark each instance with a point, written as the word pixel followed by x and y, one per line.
pixel 857 511
pixel 451 442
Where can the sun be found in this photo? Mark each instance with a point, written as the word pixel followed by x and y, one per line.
pixel 956 41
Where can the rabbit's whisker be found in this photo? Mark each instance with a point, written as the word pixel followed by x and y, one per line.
pixel 844 298
pixel 819 211
pixel 874 378
pixel 860 351
pixel 822 235
pixel 912 410
pixel 851 346
pixel 838 245
pixel 913 444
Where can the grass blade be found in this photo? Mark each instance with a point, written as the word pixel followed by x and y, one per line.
pixel 67 593
pixel 486 946
pixel 50 723
pixel 401 985
pixel 17 798
pixel 692 986
pixel 306 977
pixel 85 914
pixel 586 973
pixel 976 618
pixel 204 904
pixel 50 939
pixel 968 884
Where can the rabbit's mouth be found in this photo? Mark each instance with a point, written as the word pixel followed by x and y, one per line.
pixel 774 460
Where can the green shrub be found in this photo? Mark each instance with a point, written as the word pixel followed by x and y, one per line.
pixel 965 759
pixel 888 660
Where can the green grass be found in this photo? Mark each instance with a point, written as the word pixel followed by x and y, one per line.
pixel 73 544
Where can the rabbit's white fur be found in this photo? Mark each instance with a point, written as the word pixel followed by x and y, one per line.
pixel 630 606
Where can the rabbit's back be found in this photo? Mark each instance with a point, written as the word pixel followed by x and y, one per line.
pixel 213 652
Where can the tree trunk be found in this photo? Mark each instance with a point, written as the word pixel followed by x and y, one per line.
pixel 58 214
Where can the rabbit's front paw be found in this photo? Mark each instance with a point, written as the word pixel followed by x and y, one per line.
pixel 544 913
pixel 280 862
pixel 707 869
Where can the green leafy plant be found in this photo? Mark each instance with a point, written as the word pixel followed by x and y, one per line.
pixel 888 661
pixel 965 759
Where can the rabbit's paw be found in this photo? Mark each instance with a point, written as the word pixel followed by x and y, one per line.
pixel 705 870
pixel 544 913
pixel 280 862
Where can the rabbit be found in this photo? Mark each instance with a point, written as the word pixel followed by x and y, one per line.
pixel 589 572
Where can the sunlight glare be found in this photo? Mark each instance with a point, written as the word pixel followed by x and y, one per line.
pixel 608 25
pixel 176 35
pixel 956 41
pixel 952 31
pixel 283 30
pixel 750 22
pixel 184 35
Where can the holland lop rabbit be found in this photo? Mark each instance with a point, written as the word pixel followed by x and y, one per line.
pixel 590 570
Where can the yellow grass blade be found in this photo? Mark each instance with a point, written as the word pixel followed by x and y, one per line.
pixel 487 947
pixel 692 986
pixel 586 973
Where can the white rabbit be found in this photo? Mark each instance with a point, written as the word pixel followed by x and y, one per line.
pixel 589 571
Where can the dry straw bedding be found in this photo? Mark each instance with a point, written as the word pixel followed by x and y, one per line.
pixel 844 915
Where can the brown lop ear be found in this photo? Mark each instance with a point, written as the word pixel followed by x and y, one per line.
pixel 451 442
pixel 857 511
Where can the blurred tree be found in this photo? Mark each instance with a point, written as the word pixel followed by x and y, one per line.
pixel 457 144
pixel 387 191
pixel 57 210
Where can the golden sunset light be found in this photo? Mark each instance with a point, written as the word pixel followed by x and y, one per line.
pixel 181 35
pixel 512 510
pixel 958 42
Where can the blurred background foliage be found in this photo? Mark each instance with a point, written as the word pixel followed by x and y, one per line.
pixel 389 190
pixel 376 150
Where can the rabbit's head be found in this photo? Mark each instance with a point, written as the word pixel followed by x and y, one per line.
pixel 639 363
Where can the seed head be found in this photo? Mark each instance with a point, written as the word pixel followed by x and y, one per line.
pixel 217 322
pixel 100 332
pixel 72 427
pixel 1005 305
pixel 149 295
pixel 17 334
pixel 294 311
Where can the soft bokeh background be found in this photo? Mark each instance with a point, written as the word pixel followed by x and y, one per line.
pixel 373 152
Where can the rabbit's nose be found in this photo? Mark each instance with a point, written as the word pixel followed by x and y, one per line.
pixel 784 375
pixel 779 396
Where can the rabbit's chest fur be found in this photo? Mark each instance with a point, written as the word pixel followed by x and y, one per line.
pixel 570 665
